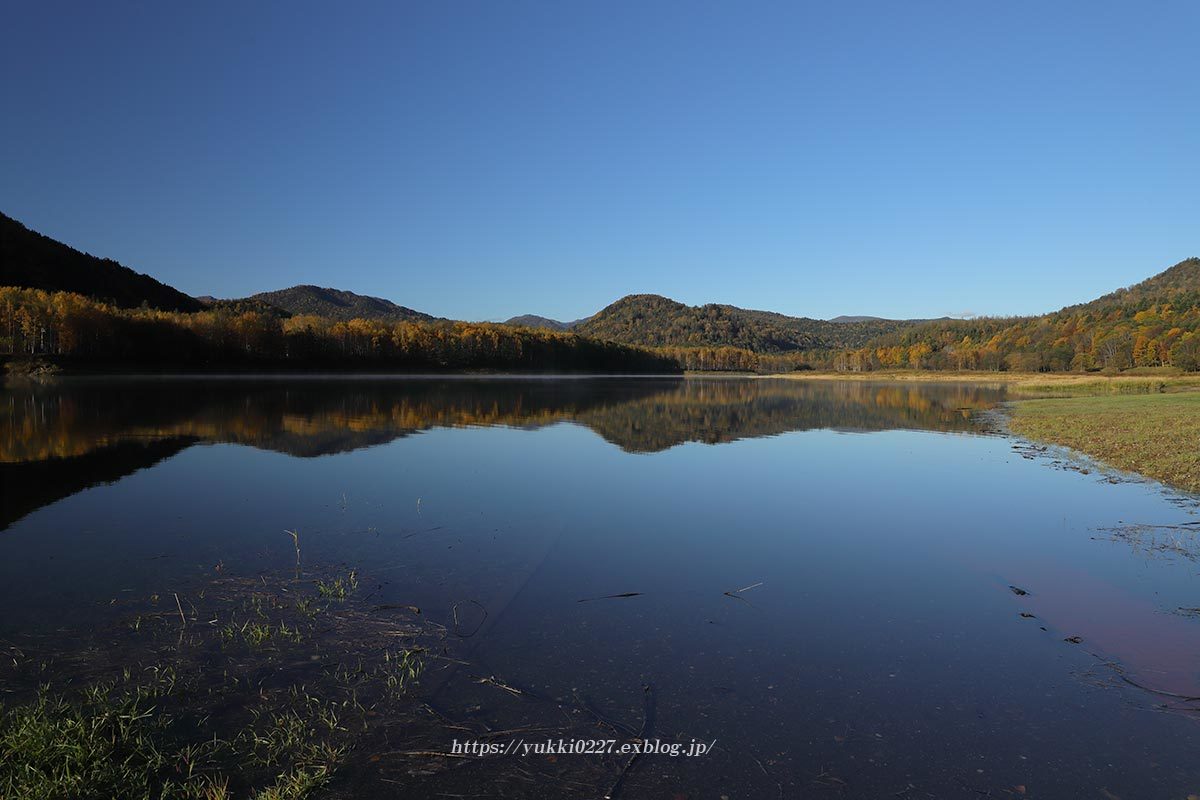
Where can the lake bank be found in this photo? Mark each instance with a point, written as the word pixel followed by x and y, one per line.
pixel 1032 383
pixel 1156 435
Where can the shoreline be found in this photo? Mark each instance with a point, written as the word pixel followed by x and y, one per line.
pixel 1167 376
pixel 1156 436
pixel 1147 424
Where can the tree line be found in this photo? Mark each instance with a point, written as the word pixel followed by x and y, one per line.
pixel 81 330
pixel 1111 339
pixel 1133 328
pixel 1155 323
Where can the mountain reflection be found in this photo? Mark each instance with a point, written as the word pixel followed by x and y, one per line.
pixel 57 439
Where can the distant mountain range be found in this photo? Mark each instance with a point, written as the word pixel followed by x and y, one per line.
pixel 1158 316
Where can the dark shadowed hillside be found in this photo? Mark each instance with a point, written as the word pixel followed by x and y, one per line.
pixel 653 320
pixel 33 261
pixel 243 306
pixel 337 304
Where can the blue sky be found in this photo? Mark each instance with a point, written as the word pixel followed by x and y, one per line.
pixel 480 160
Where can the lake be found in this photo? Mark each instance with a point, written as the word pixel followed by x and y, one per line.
pixel 842 589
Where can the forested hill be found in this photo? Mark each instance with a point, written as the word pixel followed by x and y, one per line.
pixel 33 261
pixel 338 305
pixel 1179 285
pixel 653 320
pixel 1153 323
pixel 535 321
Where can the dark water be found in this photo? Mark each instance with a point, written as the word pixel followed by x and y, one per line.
pixel 880 650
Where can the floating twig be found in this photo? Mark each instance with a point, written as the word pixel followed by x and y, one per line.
pixel 491 681
pixel 736 594
pixel 620 596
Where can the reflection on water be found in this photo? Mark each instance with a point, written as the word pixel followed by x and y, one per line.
pixel 876 648
pixel 58 438
pixel 309 418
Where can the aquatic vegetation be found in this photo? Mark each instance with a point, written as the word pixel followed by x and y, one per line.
pixel 115 740
pixel 340 587
pixel 288 737
pixel 400 670
pixel 1159 541
pixel 111 740
pixel 307 607
pixel 257 634
pixel 296 542
pixel 190 728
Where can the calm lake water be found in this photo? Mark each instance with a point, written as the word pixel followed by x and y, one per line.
pixel 819 576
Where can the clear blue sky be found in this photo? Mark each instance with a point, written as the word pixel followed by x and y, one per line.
pixel 479 160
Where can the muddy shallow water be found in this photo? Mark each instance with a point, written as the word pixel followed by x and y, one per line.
pixel 849 590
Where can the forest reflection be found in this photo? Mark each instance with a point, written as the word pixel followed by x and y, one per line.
pixel 59 438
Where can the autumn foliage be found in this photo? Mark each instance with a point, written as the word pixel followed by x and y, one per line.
pixel 75 328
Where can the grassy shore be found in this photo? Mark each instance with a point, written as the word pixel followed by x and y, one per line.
pixel 1145 421
pixel 1031 384
pixel 1157 435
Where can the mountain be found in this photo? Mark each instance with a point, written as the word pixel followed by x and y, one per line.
pixel 33 261
pixel 534 321
pixel 653 320
pixel 337 304
pixel 1179 281
pixel 859 318
pixel 1154 323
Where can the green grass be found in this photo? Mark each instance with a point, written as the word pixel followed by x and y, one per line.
pixel 117 740
pixel 400 670
pixel 238 707
pixel 259 634
pixel 339 588
pixel 1157 435
pixel 110 739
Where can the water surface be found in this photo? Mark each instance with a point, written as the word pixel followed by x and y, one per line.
pixel 880 649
